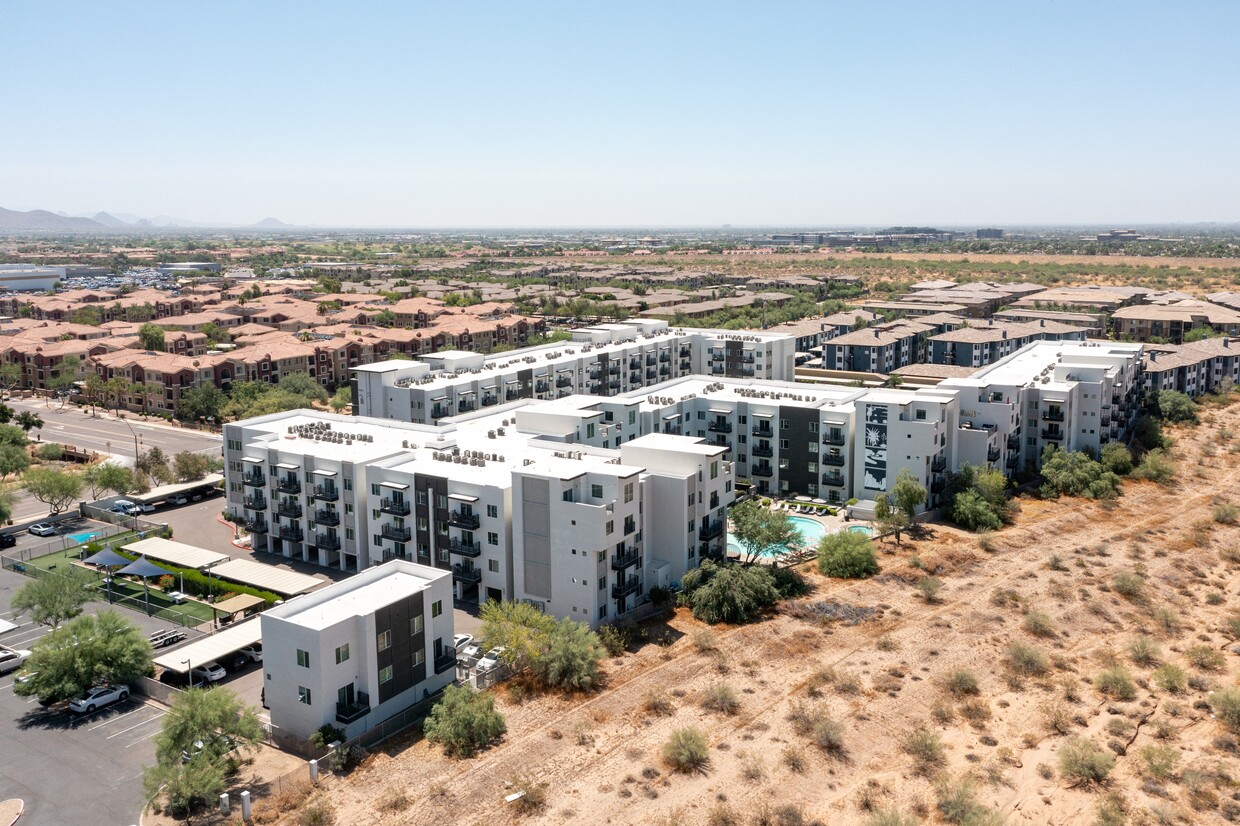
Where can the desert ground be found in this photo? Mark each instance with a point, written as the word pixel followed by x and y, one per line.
pixel 1074 580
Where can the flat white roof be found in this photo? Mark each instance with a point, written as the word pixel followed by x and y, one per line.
pixel 311 612
pixel 207 649
pixel 177 553
pixel 267 577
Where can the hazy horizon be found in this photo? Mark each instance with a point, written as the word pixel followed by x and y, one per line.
pixel 576 117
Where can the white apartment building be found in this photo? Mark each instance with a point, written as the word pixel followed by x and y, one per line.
pixel 605 360
pixel 359 651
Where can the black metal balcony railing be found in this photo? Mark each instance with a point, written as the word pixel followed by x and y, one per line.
pixel 685 352
pixel 564 381
pixel 710 530
pixel 1053 435
pixel 541 386
pixel 254 480
pixel 833 437
pixel 665 357
pixel 1013 460
pixel 1106 421
pixel 937 486
pixel 835 480
pixel 446 660
pixel 400 507
pixel 719 427
pixel 292 533
pixel 465 406
pixel 685 365
pixel 289 508
pixel 938 464
pixel 614 384
pixel 255 503
pixel 992 455
pixel 327 493
pixel 1013 441
pixel 327 541
pixel 665 370
pixel 630 586
pixel 489 400
pixel 635 364
pixel 256 525
pixel 328 517
pixel 1052 415
pixel 461 519
pixel 652 374
pixel 440 412
pixel 350 712
pixel 765 452
pixel 650 360
pixel 833 459
pixel 511 393
pixel 395 534
pixel 764 471
pixel 471 549
pixel 762 431
pixel 466 574
pixel 629 558
pixel 288 485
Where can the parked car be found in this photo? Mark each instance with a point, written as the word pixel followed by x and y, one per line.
pixel 7 540
pixel 254 652
pixel 209 672
pixel 170 677
pixel 138 510
pixel 12 659
pixel 492 659
pixel 234 662
pixel 121 506
pixel 177 499
pixel 99 697
pixel 462 640
pixel 43 529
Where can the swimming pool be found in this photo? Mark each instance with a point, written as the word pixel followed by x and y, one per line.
pixel 82 538
pixel 868 531
pixel 811 531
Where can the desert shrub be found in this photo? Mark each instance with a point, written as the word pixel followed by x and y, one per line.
pixel 658 704
pixel 705 641
pixel 1232 625
pixel 1158 762
pixel 317 811
pixel 1074 473
pixel 1226 705
pixel 1226 513
pixel 464 722
pixel 686 750
pixel 720 697
pixel 1026 660
pixel 788 582
pixel 1156 466
pixel 1206 658
pixel 1039 624
pixel 533 794
pixel 325 735
pixel 614 640
pixel 957 803
pixel 1174 406
pixel 1116 683
pixel 569 658
pixel 794 759
pixel 1056 717
pixel 1117 458
pixel 1143 650
pixel 1082 761
pixel 926 748
pixel 1128 584
pixel 721 814
pixel 891 817
pixel 731 593
pixel 1112 811
pixel 394 799
pixel 886 643
pixel 828 735
pixel 847 555
pixel 1168 620
pixel 929 588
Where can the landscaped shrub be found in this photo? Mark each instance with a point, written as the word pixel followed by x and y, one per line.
pixel 464 722
pixel 1117 458
pixel 1082 761
pixel 614 640
pixel 847 555
pixel 1174 406
pixel 686 750
pixel 325 735
pixel 728 592
pixel 1074 473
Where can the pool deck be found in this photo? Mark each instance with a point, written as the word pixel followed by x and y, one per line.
pixel 830 524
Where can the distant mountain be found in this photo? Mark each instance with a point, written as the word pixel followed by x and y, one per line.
pixel 110 220
pixel 170 221
pixel 42 220
pixel 272 223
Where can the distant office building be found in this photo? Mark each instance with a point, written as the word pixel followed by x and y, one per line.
pixel 989 233
pixel 188 266
pixel 28 277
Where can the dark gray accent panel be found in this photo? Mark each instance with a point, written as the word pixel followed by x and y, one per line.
pixel 398 619
pixel 799 436
pixel 536 536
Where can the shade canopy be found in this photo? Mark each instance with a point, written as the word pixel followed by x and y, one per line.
pixel 144 568
pixel 107 558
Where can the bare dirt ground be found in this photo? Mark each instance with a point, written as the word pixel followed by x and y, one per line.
pixel 597 757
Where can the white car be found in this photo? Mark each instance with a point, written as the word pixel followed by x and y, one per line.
pixel 43 529
pixel 254 652
pixel 491 660
pixel 138 510
pixel 11 659
pixel 178 499
pixel 98 697
pixel 462 640
pixel 209 672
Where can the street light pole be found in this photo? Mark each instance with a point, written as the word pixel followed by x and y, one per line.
pixel 188 671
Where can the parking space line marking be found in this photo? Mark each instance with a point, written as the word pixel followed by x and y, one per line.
pixel 142 738
pixel 138 725
pixel 112 720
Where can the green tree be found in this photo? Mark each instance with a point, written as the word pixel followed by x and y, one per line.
pixel 11 434
pixel 1174 406
pixel 762 531
pixel 66 378
pixel 6 506
pixel 215 333
pixel 890 519
pixel 154 463
pixel 1117 458
pixel 186 788
pixel 13 459
pixel 28 421
pixel 847 555
pixel 54 488
pixel 53 599
pixel 301 384
pixel 10 376
pixel 464 722
pixel 570 657
pixel 908 494
pixel 384 318
pixel 6 414
pixel 89 315
pixel 521 628
pixel 728 592
pixel 190 467
pixel 327 284
pixel 151 337
pixel 1073 473
pixel 202 402
pixel 342 399
pixel 971 511
pixel 86 651
pixel 109 477
pixel 212 716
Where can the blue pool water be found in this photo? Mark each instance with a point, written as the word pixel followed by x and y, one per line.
pixel 79 538
pixel 868 531
pixel 811 531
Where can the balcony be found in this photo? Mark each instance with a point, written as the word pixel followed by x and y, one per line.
pixel 470 549
pixel 255 503
pixel 630 586
pixel 327 542
pixel 256 525
pixel 764 471
pixel 351 712
pixel 665 370
pixel 938 464
pixel 511 394
pixel 490 400
pixel 464 406
pixel 834 437
pixel 629 558
pixel 665 357
pixel 719 427
pixel 614 384
pixel 835 480
pixel 254 480
pixel 1013 460
pixel 399 507
pixel 937 486
pixel 635 363
pixel 1013 441
pixel 440 412
pixel 1052 415
pixel 1053 435
pixel 462 519
pixel 652 374
pixel 292 533
pixel 327 518
pixel 389 531
pixel 288 485
pixel 289 508
pixel 762 432
pixel 650 360
pixel 541 386
pixel 685 366
pixel 833 459
pixel 710 530
pixel 564 381
pixel 766 452
pixel 328 493
pixel 446 661
pixel 992 455
pixel 1106 421
pixel 686 352
pixel 464 574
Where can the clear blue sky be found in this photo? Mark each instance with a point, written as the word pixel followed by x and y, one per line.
pixel 623 113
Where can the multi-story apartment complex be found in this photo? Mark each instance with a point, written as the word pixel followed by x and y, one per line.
pixel 985 343
pixel 1170 322
pixel 360 650
pixel 1194 368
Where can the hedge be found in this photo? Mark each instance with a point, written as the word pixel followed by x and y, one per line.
pixel 199 584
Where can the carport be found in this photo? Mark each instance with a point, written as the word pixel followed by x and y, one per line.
pixel 218 645
pixel 161 493
pixel 175 553
pixel 267 577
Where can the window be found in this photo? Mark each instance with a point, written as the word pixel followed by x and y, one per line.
pixel 611 527
pixel 342 653
pixel 384 640
pixel 628 492
pixel 385 674
pixel 436 608
pixel 493 566
pixel 602 583
pixel 303 658
pixel 493 511
pixel 921 415
pixel 415 625
pixel 492 538
pixel 783 424
pixel 303 694
pixel 419 657
pixel 590 430
pixel 374 489
pixel 348 483
pixel 596 491
pixel 714 471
